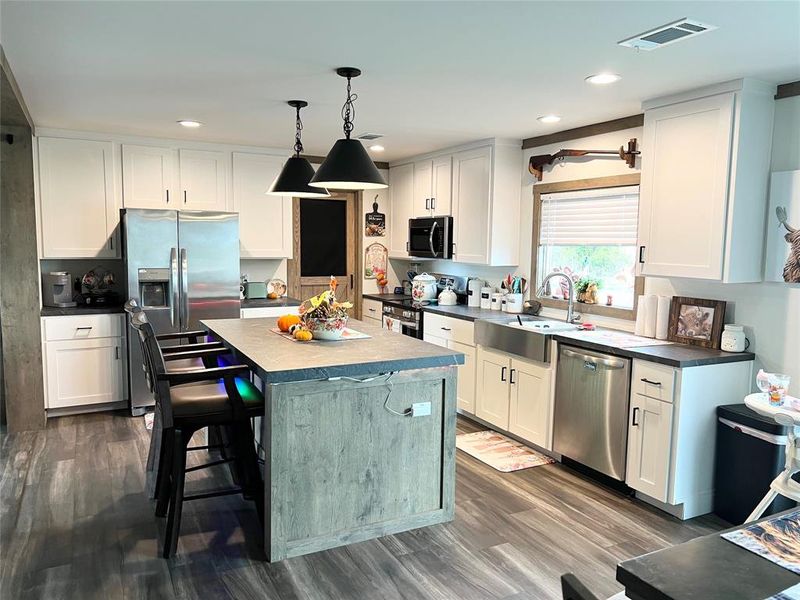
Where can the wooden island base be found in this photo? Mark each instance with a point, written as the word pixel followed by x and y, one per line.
pixel 341 468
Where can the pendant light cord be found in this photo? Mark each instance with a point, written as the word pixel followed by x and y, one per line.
pixel 349 111
pixel 298 145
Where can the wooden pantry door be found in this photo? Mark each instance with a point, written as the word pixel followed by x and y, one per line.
pixel 327 241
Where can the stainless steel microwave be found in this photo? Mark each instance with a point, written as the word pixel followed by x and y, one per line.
pixel 430 237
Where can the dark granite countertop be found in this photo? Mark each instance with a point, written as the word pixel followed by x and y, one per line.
pixel 53 311
pixel 708 567
pixel 277 359
pixel 385 297
pixel 266 302
pixel 467 313
pixel 674 355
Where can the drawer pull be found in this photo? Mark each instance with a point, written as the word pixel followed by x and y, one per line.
pixel 445 328
pixel 511 377
pixel 646 380
pixel 634 422
pixel 82 328
pixel 371 310
pixel 503 373
pixel 116 352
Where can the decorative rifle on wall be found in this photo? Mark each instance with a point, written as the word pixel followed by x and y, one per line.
pixel 537 163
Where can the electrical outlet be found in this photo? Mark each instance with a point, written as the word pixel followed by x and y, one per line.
pixel 420 409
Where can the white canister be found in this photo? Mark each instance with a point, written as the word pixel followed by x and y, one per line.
pixel 486 297
pixel 497 301
pixel 514 303
pixel 733 339
pixel 504 303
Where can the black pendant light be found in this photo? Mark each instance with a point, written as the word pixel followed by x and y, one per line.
pixel 348 166
pixel 297 171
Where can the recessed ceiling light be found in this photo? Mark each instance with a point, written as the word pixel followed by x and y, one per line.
pixel 549 119
pixel 603 78
pixel 191 124
pixel 377 148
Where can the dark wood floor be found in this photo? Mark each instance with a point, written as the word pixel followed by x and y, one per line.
pixel 75 523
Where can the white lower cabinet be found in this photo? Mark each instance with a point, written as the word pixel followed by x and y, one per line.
pixel 258 312
pixel 529 411
pixel 514 395
pixel 372 312
pixel 458 335
pixel 649 446
pixel 466 377
pixel 671 431
pixel 84 360
pixel 493 393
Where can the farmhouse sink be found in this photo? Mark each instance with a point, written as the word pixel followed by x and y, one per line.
pixel 530 340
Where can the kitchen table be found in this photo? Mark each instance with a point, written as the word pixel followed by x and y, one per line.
pixel 706 568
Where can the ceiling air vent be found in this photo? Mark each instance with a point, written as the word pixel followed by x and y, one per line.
pixel 667 34
pixel 370 136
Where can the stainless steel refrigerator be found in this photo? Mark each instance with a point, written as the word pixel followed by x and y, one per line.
pixel 182 266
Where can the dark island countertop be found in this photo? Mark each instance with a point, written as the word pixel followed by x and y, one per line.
pixel 707 568
pixel 267 303
pixel 277 359
pixel 674 355
pixel 81 309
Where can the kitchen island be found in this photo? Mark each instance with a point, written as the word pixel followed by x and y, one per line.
pixel 359 435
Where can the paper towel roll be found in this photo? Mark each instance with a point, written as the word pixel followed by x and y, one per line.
pixel 640 316
pixel 650 313
pixel 662 317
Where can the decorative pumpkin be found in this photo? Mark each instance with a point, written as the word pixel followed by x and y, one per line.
pixel 272 296
pixel 302 335
pixel 287 321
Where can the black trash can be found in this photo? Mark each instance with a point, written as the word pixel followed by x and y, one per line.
pixel 750 453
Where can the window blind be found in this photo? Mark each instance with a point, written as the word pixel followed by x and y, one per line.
pixel 600 217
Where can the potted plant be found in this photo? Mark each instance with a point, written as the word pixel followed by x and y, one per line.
pixel 586 290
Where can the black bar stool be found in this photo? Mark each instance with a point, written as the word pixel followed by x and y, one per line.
pixel 191 400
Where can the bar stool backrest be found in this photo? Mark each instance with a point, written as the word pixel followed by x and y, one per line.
pixel 132 306
pixel 154 366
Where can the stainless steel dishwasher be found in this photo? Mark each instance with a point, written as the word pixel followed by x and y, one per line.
pixel 591 409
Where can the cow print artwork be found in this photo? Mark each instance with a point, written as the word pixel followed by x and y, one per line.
pixel 791 271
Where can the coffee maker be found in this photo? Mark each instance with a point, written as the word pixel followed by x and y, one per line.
pixel 57 289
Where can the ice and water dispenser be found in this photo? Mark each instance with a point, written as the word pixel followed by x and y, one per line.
pixel 154 288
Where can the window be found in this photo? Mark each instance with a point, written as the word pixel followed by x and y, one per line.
pixel 588 231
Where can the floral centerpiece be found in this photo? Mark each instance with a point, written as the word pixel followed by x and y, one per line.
pixel 324 316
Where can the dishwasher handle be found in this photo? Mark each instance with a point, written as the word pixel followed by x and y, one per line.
pixel 591 359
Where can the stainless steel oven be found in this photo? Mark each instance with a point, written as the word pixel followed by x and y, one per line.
pixel 430 237
pixel 403 317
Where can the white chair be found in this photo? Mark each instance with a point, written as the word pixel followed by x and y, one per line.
pixel 783 484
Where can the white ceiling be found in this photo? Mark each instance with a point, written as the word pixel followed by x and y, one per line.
pixel 435 73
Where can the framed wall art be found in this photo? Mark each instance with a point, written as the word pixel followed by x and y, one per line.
pixel 696 321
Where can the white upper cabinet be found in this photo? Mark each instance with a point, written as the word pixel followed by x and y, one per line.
pixel 77 198
pixel 705 162
pixel 203 179
pixel 265 222
pixel 478 185
pixel 401 186
pixel 147 177
pixel 442 185
pixel 423 176
pixel 433 186
pixel 472 180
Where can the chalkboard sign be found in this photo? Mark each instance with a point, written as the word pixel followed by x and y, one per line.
pixel 375 222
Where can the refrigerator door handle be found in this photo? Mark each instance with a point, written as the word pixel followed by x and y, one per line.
pixel 185 288
pixel 173 284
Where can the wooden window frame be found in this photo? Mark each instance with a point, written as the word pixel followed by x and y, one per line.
pixel 594 183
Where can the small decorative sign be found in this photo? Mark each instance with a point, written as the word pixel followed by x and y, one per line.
pixel 376 257
pixel 375 222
